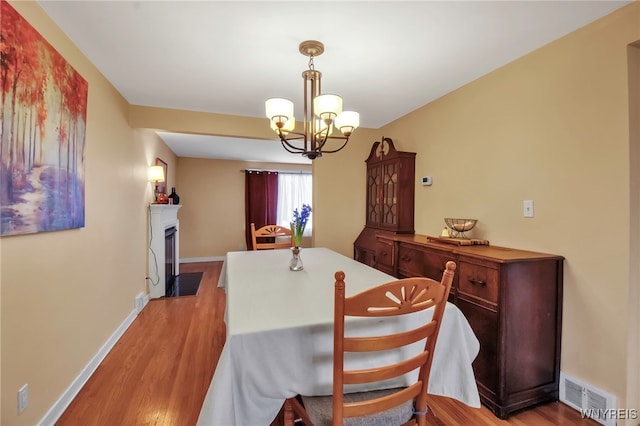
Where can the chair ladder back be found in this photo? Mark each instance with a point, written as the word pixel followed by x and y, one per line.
pixel 273 232
pixel 398 297
pixel 395 298
pixel 381 343
pixel 377 374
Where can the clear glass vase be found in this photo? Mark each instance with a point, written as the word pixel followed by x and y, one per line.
pixel 296 261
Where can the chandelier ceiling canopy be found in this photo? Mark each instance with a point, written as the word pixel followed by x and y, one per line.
pixel 322 117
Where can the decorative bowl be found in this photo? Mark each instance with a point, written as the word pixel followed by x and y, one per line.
pixel 460 226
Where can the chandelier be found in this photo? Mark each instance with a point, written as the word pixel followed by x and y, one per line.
pixel 322 114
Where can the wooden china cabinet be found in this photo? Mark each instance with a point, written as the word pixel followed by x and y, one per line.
pixel 390 197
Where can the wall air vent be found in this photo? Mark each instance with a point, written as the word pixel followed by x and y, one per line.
pixel 573 393
pixel 592 402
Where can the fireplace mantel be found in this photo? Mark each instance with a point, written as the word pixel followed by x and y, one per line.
pixel 161 217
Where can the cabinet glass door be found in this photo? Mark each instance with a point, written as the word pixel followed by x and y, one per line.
pixel 374 196
pixel 390 194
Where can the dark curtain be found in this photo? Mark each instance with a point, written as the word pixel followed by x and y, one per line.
pixel 261 200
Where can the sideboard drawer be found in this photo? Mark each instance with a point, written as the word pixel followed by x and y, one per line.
pixel 410 262
pixel 435 264
pixel 479 281
pixel 384 255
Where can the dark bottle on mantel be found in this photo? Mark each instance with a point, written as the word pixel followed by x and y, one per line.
pixel 175 198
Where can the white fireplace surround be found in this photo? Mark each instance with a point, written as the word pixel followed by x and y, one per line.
pixel 161 218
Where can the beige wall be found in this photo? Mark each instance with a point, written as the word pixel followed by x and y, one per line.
pixel 212 197
pixel 63 294
pixel 339 193
pixel 552 126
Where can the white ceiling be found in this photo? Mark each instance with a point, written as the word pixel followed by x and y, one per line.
pixel 385 58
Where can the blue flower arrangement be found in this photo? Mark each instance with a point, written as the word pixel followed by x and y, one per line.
pixel 300 219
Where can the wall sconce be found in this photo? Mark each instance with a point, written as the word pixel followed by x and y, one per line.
pixel 155 174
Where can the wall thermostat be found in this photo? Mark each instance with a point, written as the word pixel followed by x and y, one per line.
pixel 427 180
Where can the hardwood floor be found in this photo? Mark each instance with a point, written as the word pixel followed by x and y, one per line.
pixel 159 371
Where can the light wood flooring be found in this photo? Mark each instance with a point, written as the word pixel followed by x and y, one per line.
pixel 159 371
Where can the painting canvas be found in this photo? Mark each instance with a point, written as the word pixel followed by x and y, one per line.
pixel 42 130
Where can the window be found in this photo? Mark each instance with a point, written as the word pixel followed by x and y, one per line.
pixel 294 190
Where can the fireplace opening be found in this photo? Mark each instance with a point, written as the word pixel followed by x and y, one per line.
pixel 170 260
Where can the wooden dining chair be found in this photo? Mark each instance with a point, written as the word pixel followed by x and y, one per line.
pixel 399 406
pixel 276 237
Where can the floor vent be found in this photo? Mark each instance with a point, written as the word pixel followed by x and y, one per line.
pixel 592 402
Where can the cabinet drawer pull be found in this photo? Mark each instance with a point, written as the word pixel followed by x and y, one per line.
pixel 476 281
pixel 405 258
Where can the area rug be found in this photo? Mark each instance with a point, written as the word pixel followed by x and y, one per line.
pixel 187 284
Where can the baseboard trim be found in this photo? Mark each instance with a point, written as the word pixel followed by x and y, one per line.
pixel 63 402
pixel 201 259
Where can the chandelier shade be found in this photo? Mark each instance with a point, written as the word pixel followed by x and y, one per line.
pixel 323 119
pixel 327 107
pixel 279 110
pixel 347 122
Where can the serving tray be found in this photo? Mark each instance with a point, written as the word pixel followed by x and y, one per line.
pixel 459 241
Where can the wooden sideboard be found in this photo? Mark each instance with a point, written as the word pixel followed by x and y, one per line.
pixel 513 301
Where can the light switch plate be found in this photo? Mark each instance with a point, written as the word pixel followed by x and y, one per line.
pixel 528 208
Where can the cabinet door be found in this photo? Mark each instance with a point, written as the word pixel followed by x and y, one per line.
pixel 434 265
pixel 389 203
pixel 364 256
pixel 484 323
pixel 478 282
pixel 410 262
pixel 385 256
pixel 374 196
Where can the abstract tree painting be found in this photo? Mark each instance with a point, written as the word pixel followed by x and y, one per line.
pixel 42 130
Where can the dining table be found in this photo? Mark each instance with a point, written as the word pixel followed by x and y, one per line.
pixel 279 336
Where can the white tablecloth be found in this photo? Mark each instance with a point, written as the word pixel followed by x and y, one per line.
pixel 280 336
